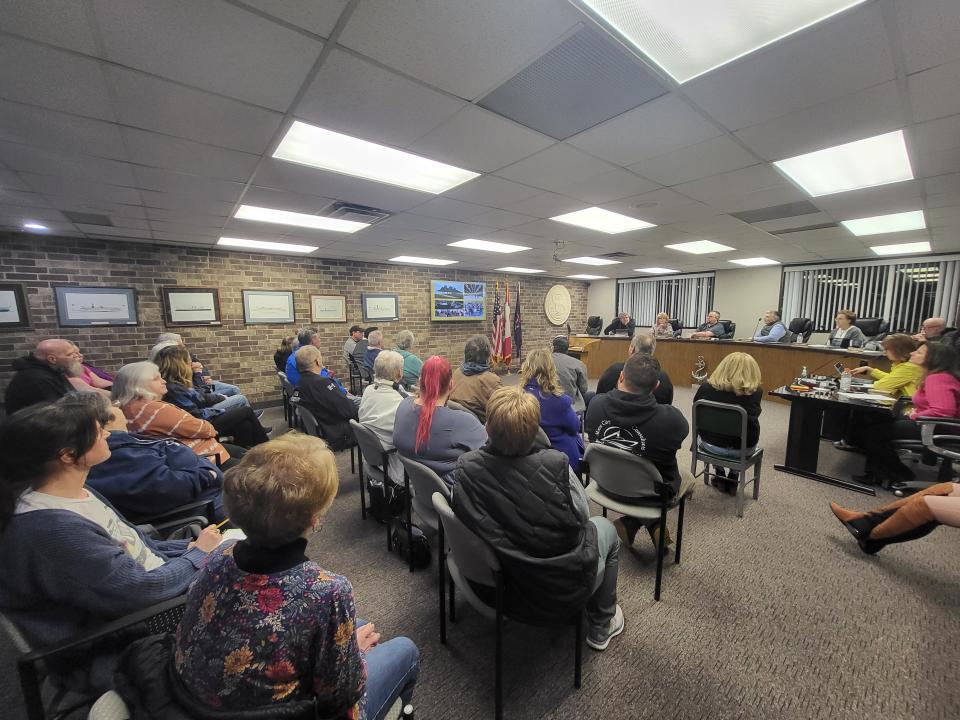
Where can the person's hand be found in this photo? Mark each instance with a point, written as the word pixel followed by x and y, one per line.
pixel 209 538
pixel 860 370
pixel 213 474
pixel 367 637
pixel 208 380
pixel 196 366
pixel 919 337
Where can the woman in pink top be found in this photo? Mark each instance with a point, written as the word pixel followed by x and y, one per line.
pixel 938 395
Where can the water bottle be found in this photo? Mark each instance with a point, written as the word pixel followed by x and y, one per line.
pixel 846 381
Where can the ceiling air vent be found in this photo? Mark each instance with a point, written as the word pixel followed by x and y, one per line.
pixel 355 213
pixel 806 228
pixel 82 218
pixel 617 255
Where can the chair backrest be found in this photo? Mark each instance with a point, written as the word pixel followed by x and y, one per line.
pixel 624 475
pixel 801 326
pixel 371 448
pixel 424 482
pixel 309 422
pixel 719 419
pixel 594 323
pixel 286 384
pixel 730 329
pixel 873 328
pixel 475 559
pixel 676 325
pixel 360 349
pixel 13 634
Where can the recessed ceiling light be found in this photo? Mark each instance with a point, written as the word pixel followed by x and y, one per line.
pixel 694 37
pixel 471 244
pixel 902 248
pixel 421 260
pixel 34 226
pixel 754 262
pixel 594 218
pixel 288 217
pixel 878 160
pixel 656 271
pixel 700 247
pixel 895 222
pixel 587 277
pixel 328 150
pixel 265 245
pixel 519 270
pixel 586 260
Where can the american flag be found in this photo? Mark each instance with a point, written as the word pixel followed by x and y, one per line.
pixel 497 337
pixel 507 351
pixel 517 325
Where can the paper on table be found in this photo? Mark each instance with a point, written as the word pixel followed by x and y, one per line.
pixel 872 397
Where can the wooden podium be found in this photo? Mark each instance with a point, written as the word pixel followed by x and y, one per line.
pixel 598 352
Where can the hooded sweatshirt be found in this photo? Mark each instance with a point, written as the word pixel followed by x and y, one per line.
pixel 640 425
pixel 35 382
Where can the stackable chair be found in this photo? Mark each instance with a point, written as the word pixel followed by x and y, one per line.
pixel 306 420
pixel 377 459
pixel 632 486
pixel 421 483
pixel 731 421
pixel 289 392
pixel 470 563
pixel 676 325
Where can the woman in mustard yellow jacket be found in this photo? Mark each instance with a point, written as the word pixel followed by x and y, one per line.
pixel 903 376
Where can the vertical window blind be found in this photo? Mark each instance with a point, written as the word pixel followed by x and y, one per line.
pixel 685 297
pixel 903 291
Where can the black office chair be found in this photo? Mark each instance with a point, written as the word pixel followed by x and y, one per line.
pixel 730 329
pixel 676 325
pixel 594 325
pixel 873 329
pixel 939 438
pixel 800 327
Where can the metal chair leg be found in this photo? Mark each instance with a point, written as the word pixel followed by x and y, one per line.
pixel 453 598
pixel 498 660
pixel 353 467
pixel 578 652
pixel 683 505
pixel 441 583
pixel 756 480
pixel 363 495
pixel 406 483
pixel 660 541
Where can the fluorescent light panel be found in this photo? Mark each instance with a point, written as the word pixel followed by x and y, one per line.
pixel 34 226
pixel 314 146
pixel 413 260
pixel 587 277
pixel 687 38
pixel 594 218
pixel 471 244
pixel 587 260
pixel 265 245
pixel 519 270
pixel 700 247
pixel 878 224
pixel 288 217
pixel 754 261
pixel 656 271
pixel 902 248
pixel 878 160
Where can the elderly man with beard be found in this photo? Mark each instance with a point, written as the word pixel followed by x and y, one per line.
pixel 42 375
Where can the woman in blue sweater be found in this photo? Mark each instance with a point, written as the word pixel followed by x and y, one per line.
pixel 557 417
pixel 68 560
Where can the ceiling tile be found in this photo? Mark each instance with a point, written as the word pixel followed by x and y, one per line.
pixel 661 206
pixel 353 96
pixel 493 191
pixel 186 203
pixel 895 197
pixel 57 22
pixel 928 32
pixel 501 219
pixel 558 165
pixel 410 221
pixel 449 209
pixel 545 205
pixel 476 139
pixel 9 179
pixel 650 130
pixel 607 187
pixel 485 42
pixel 936 147
pixel 155 150
pixel 62 187
pixel 747 189
pixel 211 45
pixel 50 162
pixel 710 157
pixel 67 133
pixel 316 17
pixel 933 92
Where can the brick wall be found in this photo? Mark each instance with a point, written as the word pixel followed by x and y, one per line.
pixel 238 353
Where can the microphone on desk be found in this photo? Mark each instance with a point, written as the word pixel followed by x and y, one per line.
pixel 568 329
pixel 759 321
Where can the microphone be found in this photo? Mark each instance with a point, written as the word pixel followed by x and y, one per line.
pixel 831 361
pixel 568 329
pixel 759 321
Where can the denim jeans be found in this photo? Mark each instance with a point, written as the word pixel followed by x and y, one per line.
pixel 603 603
pixel 392 669
pixel 222 388
pixel 232 401
pixel 733 453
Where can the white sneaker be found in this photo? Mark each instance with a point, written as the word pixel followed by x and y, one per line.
pixel 599 641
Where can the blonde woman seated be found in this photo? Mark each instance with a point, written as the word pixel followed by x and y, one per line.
pixel 662 327
pixel 266 629
pixel 538 375
pixel 138 389
pixel 735 381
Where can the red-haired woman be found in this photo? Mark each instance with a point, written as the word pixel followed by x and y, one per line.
pixel 431 433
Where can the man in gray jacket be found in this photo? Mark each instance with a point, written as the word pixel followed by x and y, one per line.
pixel 572 374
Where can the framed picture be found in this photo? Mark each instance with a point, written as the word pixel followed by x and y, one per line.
pixel 92 306
pixel 13 307
pixel 328 308
pixel 191 306
pixel 266 307
pixel 380 307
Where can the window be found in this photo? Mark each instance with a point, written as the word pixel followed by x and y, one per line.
pixel 685 297
pixel 903 291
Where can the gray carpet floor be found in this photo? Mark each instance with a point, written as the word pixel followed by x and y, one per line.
pixel 775 615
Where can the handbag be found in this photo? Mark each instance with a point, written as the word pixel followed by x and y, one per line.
pixel 420 547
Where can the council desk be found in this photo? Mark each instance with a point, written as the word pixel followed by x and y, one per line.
pixel 779 363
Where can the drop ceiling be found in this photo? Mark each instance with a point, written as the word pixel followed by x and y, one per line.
pixel 163 116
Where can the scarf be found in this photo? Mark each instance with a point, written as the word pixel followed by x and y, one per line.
pixel 472 368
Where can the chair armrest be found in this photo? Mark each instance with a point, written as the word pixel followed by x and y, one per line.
pixel 213 455
pixel 931 420
pixel 181 522
pixel 191 510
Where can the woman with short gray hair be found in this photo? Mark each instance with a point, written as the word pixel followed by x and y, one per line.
pixel 378 406
pixel 411 363
pixel 473 382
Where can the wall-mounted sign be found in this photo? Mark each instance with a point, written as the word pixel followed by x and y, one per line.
pixel 557 305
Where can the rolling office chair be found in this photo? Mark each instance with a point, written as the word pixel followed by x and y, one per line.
pixel 873 329
pixel 731 329
pixel 594 325
pixel 676 325
pixel 800 327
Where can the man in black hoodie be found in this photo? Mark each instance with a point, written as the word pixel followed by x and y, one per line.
pixel 323 398
pixel 41 375
pixel 630 418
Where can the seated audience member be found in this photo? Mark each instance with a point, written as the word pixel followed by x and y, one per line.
pixel 374 347
pixel 266 631
pixel 773 330
pixel 356 335
pixel 711 329
pixel 622 324
pixel 88 379
pixel 238 421
pixel 427 431
pixel 411 363
pixel 846 333
pixel 662 327
pixel 321 396
pixel 521 498
pixel 630 418
pixel 381 398
pixel 145 477
pixel 538 376
pixel 41 376
pixel 282 353
pixel 644 344
pixel 305 336
pixel 937 395
pixel 201 376
pixel 70 561
pixel 138 390
pixel 572 374
pixel 932 330
pixel 473 382
pixel 903 376
pixel 736 381
pixel 906 519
